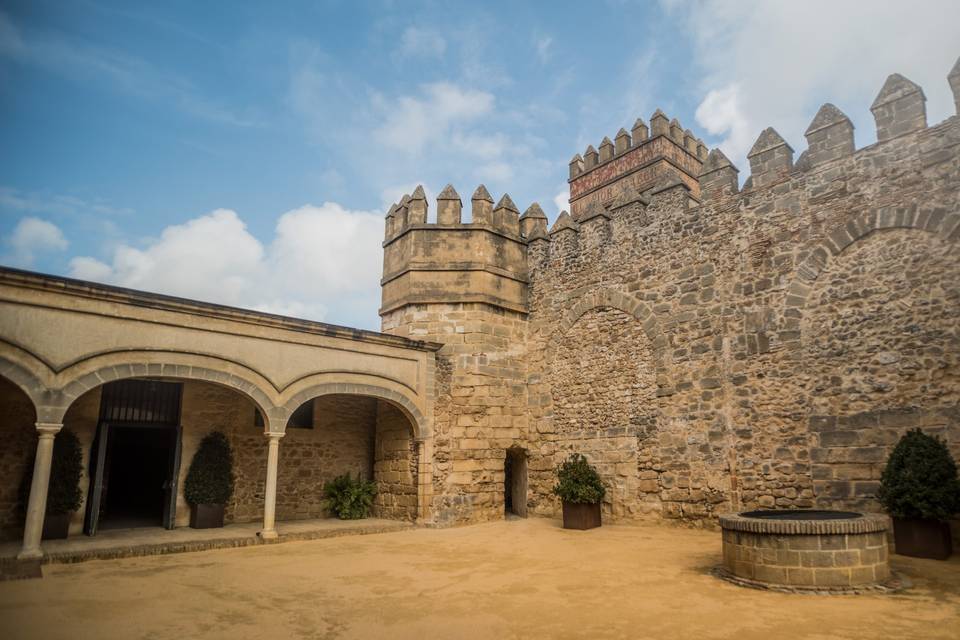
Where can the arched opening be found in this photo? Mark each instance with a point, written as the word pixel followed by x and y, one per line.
pixel 602 374
pixel 881 355
pixel 139 436
pixel 18 434
pixel 515 482
pixel 135 455
pixel 334 434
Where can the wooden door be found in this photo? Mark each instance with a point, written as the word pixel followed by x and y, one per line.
pixel 96 488
pixel 170 487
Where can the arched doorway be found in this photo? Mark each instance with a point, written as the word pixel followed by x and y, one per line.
pixel 337 433
pixel 139 436
pixel 515 482
pixel 135 456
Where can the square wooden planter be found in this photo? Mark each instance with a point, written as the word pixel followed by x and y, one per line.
pixel 206 516
pixel 581 516
pixel 56 526
pixel 922 538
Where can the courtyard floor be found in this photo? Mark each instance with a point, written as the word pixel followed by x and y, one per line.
pixel 513 579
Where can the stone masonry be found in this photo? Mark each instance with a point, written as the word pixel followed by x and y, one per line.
pixel 350 434
pixel 709 347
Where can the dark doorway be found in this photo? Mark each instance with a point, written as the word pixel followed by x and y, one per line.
pixel 508 484
pixel 515 483
pixel 135 459
pixel 136 474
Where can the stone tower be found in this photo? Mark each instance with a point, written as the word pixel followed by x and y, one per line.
pixel 659 155
pixel 464 284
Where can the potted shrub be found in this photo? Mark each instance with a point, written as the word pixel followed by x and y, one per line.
pixel 63 493
pixel 581 490
pixel 349 499
pixel 920 490
pixel 209 482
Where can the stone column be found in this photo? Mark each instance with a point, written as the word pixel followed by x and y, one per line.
pixel 269 531
pixel 424 480
pixel 37 506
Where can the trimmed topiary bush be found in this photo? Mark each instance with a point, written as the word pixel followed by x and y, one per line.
pixel 348 498
pixel 210 477
pixel 920 479
pixel 578 482
pixel 63 494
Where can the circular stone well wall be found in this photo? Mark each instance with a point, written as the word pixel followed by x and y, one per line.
pixel 842 552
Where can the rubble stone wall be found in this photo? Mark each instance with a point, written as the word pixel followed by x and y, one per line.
pixel 793 333
pixel 709 347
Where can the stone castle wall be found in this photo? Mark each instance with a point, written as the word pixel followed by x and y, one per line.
pixel 766 383
pixel 708 349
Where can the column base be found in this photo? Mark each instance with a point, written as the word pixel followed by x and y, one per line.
pixel 268 535
pixel 30 554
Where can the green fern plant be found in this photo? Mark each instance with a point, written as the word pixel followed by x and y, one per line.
pixel 348 498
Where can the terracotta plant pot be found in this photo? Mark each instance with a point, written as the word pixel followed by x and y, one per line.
pixel 580 516
pixel 919 538
pixel 56 526
pixel 206 516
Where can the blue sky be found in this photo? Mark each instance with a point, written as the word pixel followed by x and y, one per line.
pixel 245 153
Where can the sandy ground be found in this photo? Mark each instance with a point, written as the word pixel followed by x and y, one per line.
pixel 515 579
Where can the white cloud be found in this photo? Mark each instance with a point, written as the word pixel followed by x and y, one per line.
pixel 720 114
pixel 432 133
pixel 321 260
pixel 413 123
pixel 32 236
pixel 562 199
pixel 212 257
pixel 416 42
pixel 87 268
pixel 787 58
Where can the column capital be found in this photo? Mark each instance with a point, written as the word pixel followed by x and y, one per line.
pixel 49 429
pixel 274 435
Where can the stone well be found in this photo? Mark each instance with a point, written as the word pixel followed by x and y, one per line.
pixel 806 550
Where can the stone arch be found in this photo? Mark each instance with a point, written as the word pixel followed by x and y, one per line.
pixel 875 346
pixel 98 371
pixel 27 382
pixel 606 297
pixel 418 423
pixel 610 298
pixel 936 221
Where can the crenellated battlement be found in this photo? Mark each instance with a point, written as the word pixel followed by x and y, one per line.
pixel 640 160
pixel 662 166
pixel 452 261
pixel 898 110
